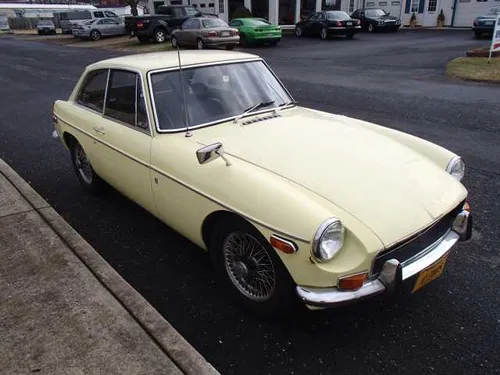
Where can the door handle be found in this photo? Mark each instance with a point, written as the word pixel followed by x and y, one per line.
pixel 99 130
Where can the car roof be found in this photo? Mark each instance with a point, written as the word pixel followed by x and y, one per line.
pixel 163 60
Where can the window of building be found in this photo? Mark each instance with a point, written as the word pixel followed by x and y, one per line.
pixel 221 6
pixel 395 3
pixel 330 4
pixel 481 1
pixel 414 5
pixel 432 6
pixel 370 3
pixel 351 6
pixel 382 3
pixel 93 90
pixel 286 12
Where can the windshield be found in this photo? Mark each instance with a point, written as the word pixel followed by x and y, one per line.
pixel 213 22
pixel 44 23
pixel 375 13
pixel 494 11
pixel 337 16
pixel 214 93
pixel 255 22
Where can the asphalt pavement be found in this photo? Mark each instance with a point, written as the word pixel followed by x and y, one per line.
pixel 396 80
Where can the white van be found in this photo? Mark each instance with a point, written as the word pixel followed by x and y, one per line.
pixel 4 24
pixel 71 19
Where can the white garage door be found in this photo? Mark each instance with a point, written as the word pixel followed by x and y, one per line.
pixel 467 10
pixel 390 6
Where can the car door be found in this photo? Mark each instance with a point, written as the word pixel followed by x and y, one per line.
pixel 194 32
pixel 125 138
pixel 181 33
pixel 117 28
pixel 105 27
pixel 309 26
pixel 319 23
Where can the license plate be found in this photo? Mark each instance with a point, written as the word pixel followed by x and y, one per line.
pixel 224 33
pixel 349 23
pixel 431 273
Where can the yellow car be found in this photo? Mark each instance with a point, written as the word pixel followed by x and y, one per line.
pixel 293 204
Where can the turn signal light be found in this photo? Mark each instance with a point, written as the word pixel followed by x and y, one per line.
pixel 353 282
pixel 339 24
pixel 212 33
pixel 140 25
pixel 466 206
pixel 283 245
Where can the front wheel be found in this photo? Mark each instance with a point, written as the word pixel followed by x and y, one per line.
pixel 200 44
pixel 84 171
pixel 251 270
pixel 230 48
pixel 371 28
pixel 95 35
pixel 174 42
pixel 298 31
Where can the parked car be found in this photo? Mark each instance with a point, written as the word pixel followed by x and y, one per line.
pixel 204 33
pixel 159 27
pixel 4 25
pixel 95 29
pixel 328 23
pixel 256 31
pixel 45 27
pixel 486 24
pixel 293 204
pixel 374 19
pixel 76 18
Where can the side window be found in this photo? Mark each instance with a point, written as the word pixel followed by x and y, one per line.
pixel 124 99
pixel 93 90
pixel 195 24
pixel 98 14
pixel 110 14
pixel 177 12
pixel 188 24
pixel 321 17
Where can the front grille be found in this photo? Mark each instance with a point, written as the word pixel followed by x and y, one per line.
pixel 410 247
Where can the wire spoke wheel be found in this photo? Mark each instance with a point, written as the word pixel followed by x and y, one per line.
pixel 82 164
pixel 249 266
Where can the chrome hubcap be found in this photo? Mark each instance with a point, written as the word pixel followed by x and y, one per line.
pixel 298 31
pixel 249 266
pixel 200 44
pixel 323 33
pixel 160 37
pixel 83 165
pixel 174 42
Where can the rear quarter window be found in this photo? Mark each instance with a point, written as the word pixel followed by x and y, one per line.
pixel 93 90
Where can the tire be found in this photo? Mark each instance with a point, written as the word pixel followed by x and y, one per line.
pixel 84 171
pixel 200 44
pixel 298 31
pixel 274 43
pixel 238 251
pixel 160 35
pixel 39 33
pixel 323 34
pixel 230 48
pixel 243 40
pixel 143 39
pixel 174 42
pixel 95 35
pixel 371 28
pixel 478 34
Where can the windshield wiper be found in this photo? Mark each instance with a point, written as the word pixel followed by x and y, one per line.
pixel 253 108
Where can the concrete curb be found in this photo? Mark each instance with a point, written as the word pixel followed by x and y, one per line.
pixel 187 359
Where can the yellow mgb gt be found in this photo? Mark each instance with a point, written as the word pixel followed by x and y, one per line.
pixel 292 204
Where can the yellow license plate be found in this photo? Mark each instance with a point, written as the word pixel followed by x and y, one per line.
pixel 430 273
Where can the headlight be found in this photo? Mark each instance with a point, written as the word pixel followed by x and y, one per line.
pixel 381 22
pixel 328 240
pixel 456 167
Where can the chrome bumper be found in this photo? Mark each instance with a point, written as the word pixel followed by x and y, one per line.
pixel 393 271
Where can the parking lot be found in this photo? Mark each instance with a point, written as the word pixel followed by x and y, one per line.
pixel 396 80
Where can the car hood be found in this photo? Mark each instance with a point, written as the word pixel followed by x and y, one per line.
pixel 392 189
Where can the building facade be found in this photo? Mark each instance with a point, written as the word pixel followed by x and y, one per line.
pixel 458 13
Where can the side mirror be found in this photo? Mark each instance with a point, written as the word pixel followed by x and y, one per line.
pixel 211 152
pixel 389 13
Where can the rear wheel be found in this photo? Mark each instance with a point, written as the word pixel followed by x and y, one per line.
pixel 323 33
pixel 200 44
pixel 175 42
pixel 84 171
pixel 95 35
pixel 230 48
pixel 371 29
pixel 251 270
pixel 160 35
pixel 478 34
pixel 243 40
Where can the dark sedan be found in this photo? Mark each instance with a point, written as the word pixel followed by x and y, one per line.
pixel 373 19
pixel 486 24
pixel 328 23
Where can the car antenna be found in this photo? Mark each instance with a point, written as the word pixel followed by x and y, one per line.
pixel 184 102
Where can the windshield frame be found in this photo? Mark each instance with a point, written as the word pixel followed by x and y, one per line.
pixel 219 121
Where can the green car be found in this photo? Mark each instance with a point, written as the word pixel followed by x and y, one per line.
pixel 256 31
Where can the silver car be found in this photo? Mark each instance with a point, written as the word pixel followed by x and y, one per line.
pixel 95 29
pixel 205 32
pixel 46 27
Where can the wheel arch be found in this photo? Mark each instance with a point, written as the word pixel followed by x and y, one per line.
pixel 210 222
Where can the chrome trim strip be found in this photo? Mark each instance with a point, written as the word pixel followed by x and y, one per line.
pixel 432 256
pixel 180 130
pixel 229 208
pixel 106 92
pixel 388 279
